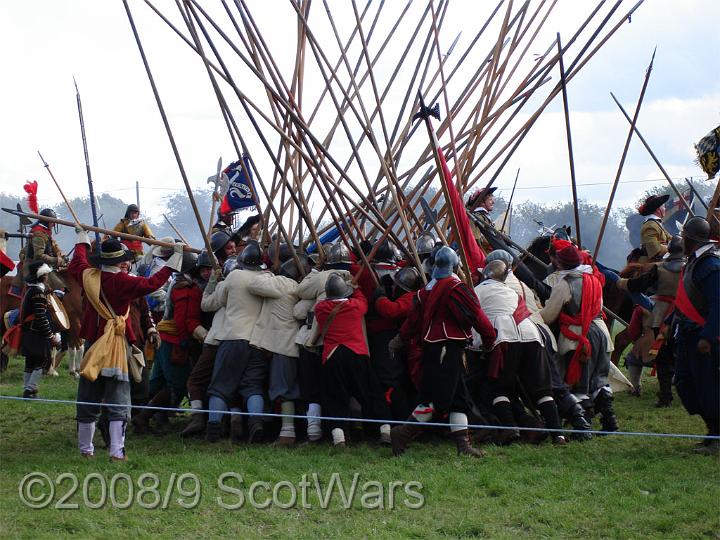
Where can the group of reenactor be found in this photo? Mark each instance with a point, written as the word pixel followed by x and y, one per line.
pixel 250 330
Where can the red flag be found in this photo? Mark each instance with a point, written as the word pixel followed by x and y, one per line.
pixel 473 252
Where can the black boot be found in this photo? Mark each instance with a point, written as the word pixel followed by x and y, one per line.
pixel 589 409
pixel 213 431
pixel 103 426
pixel 255 430
pixel 503 410
pixel 664 394
pixel 572 411
pixel 549 412
pixel 141 421
pixel 604 405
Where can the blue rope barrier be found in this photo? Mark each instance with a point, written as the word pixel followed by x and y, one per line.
pixel 368 420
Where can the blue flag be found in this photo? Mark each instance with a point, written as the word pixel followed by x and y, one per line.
pixel 240 188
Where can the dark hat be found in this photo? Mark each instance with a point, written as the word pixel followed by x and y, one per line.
pixel 249 222
pixel 250 257
pixel 189 262
pixel 384 251
pixel 408 279
pixel 697 229
pixel 131 208
pixel 47 212
pixel 204 260
pixel 218 240
pixel 291 270
pixel 112 251
pixel 652 203
pixel 285 252
pixel 479 196
pixel 336 288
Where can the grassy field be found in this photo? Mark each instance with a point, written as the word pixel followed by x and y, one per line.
pixel 610 487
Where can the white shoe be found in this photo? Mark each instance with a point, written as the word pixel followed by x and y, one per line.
pixel 52 372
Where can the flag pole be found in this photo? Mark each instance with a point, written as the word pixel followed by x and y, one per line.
pixel 424 114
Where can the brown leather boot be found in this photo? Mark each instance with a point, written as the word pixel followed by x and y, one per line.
pixel 400 437
pixel 462 442
pixel 196 425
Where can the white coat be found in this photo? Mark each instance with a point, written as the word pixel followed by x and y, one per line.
pixel 276 326
pixel 242 308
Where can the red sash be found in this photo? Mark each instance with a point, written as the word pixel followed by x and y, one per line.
pixel 683 303
pixel 590 308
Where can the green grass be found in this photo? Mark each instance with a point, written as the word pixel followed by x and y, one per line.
pixel 610 487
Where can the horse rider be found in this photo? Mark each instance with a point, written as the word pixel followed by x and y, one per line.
pixel 653 236
pixel 41 246
pixel 132 223
pixel 481 204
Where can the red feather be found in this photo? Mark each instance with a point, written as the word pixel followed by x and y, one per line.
pixel 31 189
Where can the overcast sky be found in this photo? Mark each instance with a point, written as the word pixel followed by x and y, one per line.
pixel 45 43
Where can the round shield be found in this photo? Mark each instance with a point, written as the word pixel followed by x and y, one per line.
pixel 57 312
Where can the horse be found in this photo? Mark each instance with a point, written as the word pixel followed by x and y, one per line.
pixel 72 302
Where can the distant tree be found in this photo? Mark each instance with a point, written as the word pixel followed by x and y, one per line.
pixel 615 245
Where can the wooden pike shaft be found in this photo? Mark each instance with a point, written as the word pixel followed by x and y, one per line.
pixel 174 228
pixel 255 126
pixel 569 142
pixel 99 230
pixel 596 251
pixel 652 155
pixel 509 207
pixel 170 135
pixel 247 103
pixel 67 203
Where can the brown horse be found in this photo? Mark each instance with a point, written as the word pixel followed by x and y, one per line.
pixel 72 302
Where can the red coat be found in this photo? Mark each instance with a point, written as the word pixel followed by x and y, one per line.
pixel 375 322
pixel 346 328
pixel 397 310
pixel 448 311
pixel 186 313
pixel 120 289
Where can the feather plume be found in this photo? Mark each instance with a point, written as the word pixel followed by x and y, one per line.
pixel 31 189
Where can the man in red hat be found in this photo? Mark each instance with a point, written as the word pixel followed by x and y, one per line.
pixel 480 204
pixel 584 343
pixel 653 236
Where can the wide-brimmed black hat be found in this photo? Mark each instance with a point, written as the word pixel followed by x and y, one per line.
pixel 652 203
pixel 112 251
pixel 479 196
pixel 249 222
